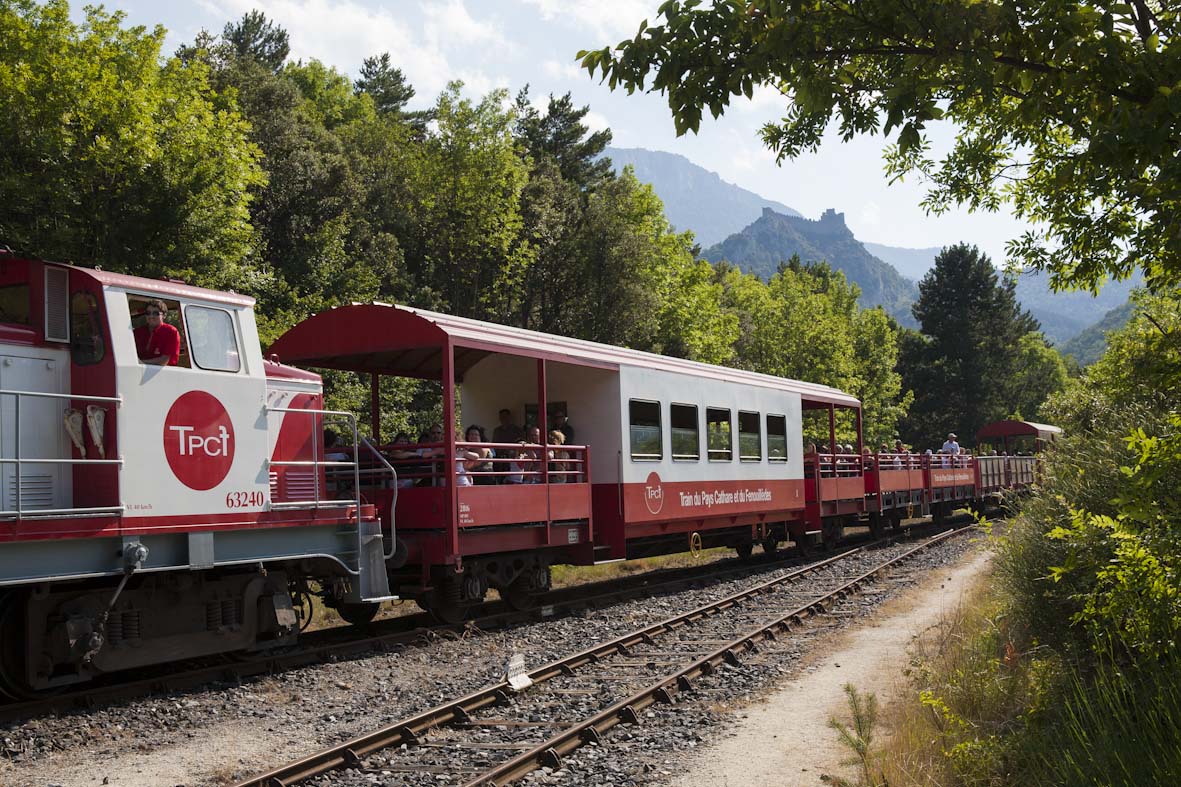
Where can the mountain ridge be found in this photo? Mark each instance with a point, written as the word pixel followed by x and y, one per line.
pixel 775 238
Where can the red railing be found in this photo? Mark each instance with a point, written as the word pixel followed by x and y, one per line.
pixel 423 464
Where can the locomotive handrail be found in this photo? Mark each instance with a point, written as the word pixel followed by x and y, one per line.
pixel 316 462
pixel 18 460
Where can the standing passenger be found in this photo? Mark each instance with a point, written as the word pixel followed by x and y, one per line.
pixel 562 424
pixel 507 432
pixel 951 446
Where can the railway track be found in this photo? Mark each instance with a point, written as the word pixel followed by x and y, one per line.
pixel 386 635
pixel 346 642
pixel 504 731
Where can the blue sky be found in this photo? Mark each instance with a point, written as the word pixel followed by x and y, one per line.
pixel 507 43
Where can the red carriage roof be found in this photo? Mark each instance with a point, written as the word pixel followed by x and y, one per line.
pixel 408 342
pixel 1018 428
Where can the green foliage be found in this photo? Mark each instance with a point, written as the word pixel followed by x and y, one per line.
pixel 138 166
pixel 1068 111
pixel 232 167
pixel 1115 728
pixel 978 358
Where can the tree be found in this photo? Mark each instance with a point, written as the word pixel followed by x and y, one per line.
pixel 560 134
pixel 1069 111
pixel 464 246
pixel 257 38
pixel 961 365
pixel 109 157
pixel 390 91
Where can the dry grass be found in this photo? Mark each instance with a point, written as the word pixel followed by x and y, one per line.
pixel 967 681
pixel 567 576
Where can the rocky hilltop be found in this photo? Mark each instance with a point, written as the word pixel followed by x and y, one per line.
pixel 774 238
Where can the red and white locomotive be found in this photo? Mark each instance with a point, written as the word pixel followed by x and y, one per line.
pixel 150 513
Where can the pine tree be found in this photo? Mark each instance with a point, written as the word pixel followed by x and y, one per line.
pixel 960 363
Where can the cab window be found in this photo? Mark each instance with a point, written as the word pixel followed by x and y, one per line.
pixel 138 305
pixel 212 340
pixel 14 303
pixel 86 329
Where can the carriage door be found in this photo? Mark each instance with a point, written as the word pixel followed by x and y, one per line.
pixel 36 423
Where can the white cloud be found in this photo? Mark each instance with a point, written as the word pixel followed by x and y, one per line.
pixel 557 70
pixel 448 24
pixel 609 19
pixel 596 122
pixel 342 33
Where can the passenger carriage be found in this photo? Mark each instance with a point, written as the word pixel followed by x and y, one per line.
pixel 670 453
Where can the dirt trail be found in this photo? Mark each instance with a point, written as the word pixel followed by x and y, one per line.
pixel 786 741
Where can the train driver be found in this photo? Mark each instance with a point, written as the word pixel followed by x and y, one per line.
pixel 157 342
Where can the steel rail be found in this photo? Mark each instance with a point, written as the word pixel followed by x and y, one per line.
pixel 627 710
pixel 410 729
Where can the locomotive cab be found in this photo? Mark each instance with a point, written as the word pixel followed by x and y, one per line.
pixel 157 509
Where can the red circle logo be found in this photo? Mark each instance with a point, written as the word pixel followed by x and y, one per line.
pixel 199 440
pixel 653 494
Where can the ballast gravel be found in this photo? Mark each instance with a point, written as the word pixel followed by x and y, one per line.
pixel 313 707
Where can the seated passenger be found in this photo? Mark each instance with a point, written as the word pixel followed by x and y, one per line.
pixel 399 452
pixel 557 474
pixel 475 434
pixel 526 467
pixel 156 342
pixel 435 469
pixel 333 451
pixel 463 457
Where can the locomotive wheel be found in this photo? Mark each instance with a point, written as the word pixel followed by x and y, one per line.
pixel 770 547
pixel 12 657
pixel 877 528
pixel 360 615
pixel 745 550
pixel 831 533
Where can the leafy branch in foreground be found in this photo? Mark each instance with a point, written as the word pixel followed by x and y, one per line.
pixel 1069 111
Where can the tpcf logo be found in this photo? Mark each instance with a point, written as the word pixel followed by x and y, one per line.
pixel 653 494
pixel 199 440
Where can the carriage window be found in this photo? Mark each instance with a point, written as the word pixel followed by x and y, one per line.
pixel 86 330
pixel 750 441
pixel 645 430
pixel 14 303
pixel 685 432
pixel 720 434
pixel 212 340
pixel 776 438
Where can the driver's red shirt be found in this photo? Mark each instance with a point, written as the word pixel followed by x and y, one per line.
pixel 165 340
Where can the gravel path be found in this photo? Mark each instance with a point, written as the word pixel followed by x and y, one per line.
pixel 213 736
